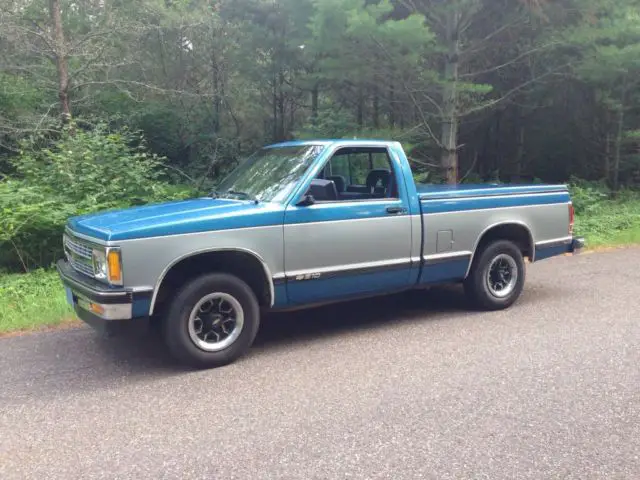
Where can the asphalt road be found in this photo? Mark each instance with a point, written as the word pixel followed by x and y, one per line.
pixel 404 387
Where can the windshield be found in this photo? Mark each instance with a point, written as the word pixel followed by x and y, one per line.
pixel 270 174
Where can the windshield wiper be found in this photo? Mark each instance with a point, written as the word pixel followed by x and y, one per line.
pixel 246 195
pixel 218 194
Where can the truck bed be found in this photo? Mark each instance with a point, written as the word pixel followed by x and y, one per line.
pixel 455 218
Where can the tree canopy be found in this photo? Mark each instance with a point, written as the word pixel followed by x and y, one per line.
pixel 475 89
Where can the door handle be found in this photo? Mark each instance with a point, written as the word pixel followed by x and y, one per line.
pixel 395 210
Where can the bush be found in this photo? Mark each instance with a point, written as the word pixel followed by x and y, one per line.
pixel 587 196
pixel 82 172
pixel 603 217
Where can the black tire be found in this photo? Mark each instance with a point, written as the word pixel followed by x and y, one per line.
pixel 476 284
pixel 176 321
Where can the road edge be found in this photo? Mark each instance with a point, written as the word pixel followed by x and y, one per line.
pixel 66 324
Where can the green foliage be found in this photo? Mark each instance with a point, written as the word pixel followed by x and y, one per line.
pixel 32 300
pixel 472 178
pixel 81 172
pixel 330 123
pixel 587 196
pixel 21 106
pixel 604 218
pixel 209 82
pixel 611 223
pixel 95 167
pixel 18 95
pixel 423 177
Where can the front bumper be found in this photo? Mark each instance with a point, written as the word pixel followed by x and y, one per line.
pixel 100 306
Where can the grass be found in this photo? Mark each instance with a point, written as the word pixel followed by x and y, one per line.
pixel 610 222
pixel 36 300
pixel 616 239
pixel 33 300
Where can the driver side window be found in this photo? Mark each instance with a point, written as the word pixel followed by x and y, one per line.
pixel 356 174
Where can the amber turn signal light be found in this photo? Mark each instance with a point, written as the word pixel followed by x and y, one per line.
pixel 115 266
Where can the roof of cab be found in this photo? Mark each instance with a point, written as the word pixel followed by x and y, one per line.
pixel 333 141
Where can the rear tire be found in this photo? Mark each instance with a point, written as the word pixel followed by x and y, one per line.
pixel 497 276
pixel 212 321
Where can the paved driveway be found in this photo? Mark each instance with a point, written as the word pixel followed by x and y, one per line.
pixel 405 387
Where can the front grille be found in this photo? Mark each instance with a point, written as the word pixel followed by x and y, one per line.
pixel 79 255
pixel 78 248
pixel 81 267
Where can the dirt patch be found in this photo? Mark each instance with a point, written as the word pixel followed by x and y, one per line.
pixel 608 248
pixel 64 325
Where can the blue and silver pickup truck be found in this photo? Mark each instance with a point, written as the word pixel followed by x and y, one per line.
pixel 300 224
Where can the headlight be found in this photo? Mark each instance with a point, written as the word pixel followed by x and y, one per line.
pixel 100 269
pixel 107 265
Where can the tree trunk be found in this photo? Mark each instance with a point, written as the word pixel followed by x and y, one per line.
pixel 281 106
pixel 607 158
pixel 275 108
pixel 360 112
pixel 618 149
pixel 376 108
pixel 449 137
pixel 520 152
pixel 217 97
pixel 496 159
pixel 60 57
pixel 292 119
pixel 315 93
pixel 392 105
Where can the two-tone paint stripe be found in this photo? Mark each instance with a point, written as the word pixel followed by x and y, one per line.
pixel 468 204
pixel 345 270
pixel 368 267
pixel 447 257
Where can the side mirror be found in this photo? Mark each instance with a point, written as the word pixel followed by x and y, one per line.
pixel 306 201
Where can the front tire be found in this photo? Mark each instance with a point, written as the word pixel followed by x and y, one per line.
pixel 497 276
pixel 212 321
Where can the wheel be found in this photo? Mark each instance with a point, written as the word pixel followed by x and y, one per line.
pixel 497 276
pixel 212 321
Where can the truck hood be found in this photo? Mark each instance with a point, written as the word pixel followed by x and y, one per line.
pixel 175 218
